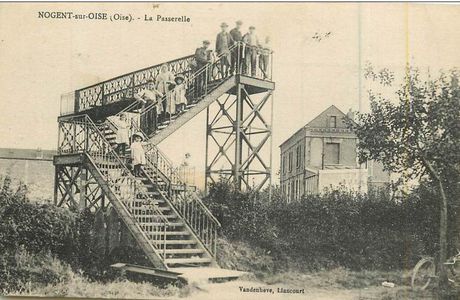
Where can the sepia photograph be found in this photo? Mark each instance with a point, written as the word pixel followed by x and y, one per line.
pixel 230 150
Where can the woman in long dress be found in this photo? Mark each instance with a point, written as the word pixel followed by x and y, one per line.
pixel 164 80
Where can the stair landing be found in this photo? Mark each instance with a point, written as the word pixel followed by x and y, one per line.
pixel 207 274
pixel 188 274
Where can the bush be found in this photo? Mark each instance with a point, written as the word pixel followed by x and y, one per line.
pixel 43 229
pixel 21 271
pixel 335 229
pixel 33 226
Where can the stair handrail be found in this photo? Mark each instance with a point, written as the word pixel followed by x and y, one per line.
pixel 200 202
pixel 123 111
pixel 208 68
pixel 168 170
pixel 190 79
pixel 192 211
pixel 185 205
pixel 198 217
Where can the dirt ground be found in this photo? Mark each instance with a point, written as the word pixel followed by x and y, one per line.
pixel 313 289
pixel 231 291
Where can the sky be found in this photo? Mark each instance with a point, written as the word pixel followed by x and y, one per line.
pixel 40 59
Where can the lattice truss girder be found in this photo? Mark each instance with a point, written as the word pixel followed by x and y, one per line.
pixel 77 189
pixel 238 135
pixel 73 137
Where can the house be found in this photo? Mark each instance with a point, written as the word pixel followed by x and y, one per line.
pixel 323 154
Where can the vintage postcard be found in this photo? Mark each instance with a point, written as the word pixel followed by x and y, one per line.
pixel 220 150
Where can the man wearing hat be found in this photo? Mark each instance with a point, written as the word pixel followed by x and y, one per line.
pixel 201 58
pixel 237 54
pixel 223 42
pixel 251 44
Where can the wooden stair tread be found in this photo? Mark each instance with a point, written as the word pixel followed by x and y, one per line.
pixel 175 242
pixel 148 200
pixel 171 224
pixel 144 208
pixel 191 260
pixel 156 216
pixel 169 233
pixel 184 251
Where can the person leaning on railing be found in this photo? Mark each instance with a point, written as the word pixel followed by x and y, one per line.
pixel 237 53
pixel 264 58
pixel 252 44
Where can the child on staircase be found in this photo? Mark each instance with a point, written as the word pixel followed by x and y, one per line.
pixel 122 134
pixel 137 153
pixel 178 94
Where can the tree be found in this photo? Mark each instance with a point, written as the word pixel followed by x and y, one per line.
pixel 418 136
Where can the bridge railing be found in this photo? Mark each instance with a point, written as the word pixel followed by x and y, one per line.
pixel 121 87
pixel 256 62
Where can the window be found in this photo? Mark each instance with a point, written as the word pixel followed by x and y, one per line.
pixel 290 161
pixel 283 165
pixel 332 154
pixel 333 122
pixel 296 189
pixel 298 155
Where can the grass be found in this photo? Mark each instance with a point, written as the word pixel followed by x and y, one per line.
pixel 44 275
pixel 334 281
pixel 339 278
pixel 78 286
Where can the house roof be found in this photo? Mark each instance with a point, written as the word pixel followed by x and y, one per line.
pixel 318 121
pixel 17 153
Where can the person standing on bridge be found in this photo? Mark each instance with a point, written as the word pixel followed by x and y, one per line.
pixel 264 58
pixel 164 79
pixel 202 59
pixel 251 48
pixel 223 42
pixel 237 53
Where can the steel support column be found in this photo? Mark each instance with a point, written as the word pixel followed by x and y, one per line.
pixel 76 188
pixel 238 136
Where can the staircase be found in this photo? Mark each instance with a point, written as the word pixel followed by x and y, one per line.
pixel 159 229
pixel 160 173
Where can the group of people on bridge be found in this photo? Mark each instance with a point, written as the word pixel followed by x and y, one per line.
pixel 166 96
pixel 241 59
